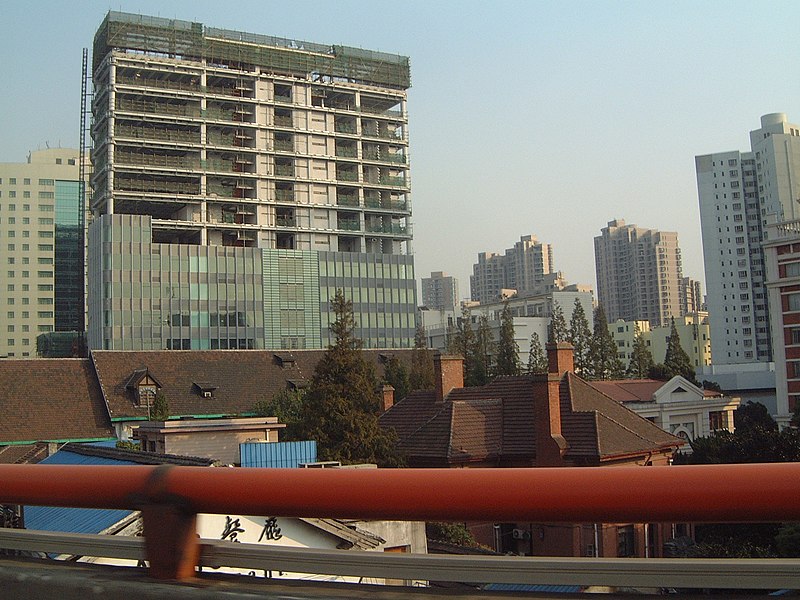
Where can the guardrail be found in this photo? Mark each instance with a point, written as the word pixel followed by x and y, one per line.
pixel 170 497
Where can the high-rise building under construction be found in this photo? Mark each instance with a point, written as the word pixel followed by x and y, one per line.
pixel 239 181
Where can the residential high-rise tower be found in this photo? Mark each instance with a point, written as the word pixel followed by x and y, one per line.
pixel 738 192
pixel 522 268
pixel 639 273
pixel 239 181
pixel 440 291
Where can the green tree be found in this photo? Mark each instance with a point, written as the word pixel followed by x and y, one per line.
pixel 676 361
pixel 603 360
pixel 557 331
pixel 580 336
pixel 421 376
pixel 537 361
pixel 507 348
pixel 480 359
pixel 396 375
pixel 452 339
pixel 456 534
pixel 342 401
pixel 287 405
pixel 160 409
pixel 641 358
pixel 753 416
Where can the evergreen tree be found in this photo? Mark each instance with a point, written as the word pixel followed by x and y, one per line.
pixel 558 326
pixel 421 376
pixel 452 339
pixel 641 358
pixel 342 400
pixel 676 361
pixel 507 349
pixel 160 410
pixel 287 405
pixel 580 336
pixel 396 375
pixel 481 356
pixel 603 360
pixel 537 361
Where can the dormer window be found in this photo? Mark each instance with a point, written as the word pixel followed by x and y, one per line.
pixel 284 359
pixel 144 387
pixel 206 390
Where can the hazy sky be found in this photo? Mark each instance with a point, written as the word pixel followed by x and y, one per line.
pixel 544 118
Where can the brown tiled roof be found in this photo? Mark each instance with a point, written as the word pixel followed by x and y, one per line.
pixel 629 390
pixel 496 423
pixel 23 453
pixel 620 431
pixel 240 378
pixel 51 399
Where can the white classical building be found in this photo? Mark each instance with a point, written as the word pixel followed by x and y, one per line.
pixel 677 406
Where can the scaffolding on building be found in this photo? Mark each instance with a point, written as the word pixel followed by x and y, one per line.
pixel 189 40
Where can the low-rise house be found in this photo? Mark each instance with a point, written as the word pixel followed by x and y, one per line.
pixel 677 406
pixel 557 419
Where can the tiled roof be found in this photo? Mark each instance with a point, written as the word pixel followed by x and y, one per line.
pixel 496 422
pixel 22 454
pixel 629 390
pixel 239 378
pixel 51 399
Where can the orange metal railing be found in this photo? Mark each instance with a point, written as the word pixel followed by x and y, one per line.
pixel 170 497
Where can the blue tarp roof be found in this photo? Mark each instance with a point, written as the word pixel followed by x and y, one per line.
pixel 74 520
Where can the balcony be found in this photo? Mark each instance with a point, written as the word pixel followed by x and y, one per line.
pixel 349 225
pixel 386 228
pixel 347 200
pixel 346 176
pixel 169 499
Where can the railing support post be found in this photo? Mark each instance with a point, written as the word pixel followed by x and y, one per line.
pixel 170 539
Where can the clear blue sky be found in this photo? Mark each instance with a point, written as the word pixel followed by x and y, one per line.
pixel 545 118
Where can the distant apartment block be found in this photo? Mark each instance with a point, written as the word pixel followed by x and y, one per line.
pixel 239 181
pixel 639 273
pixel 693 329
pixel 737 191
pixel 521 268
pixel 440 291
pixel 692 296
pixel 41 249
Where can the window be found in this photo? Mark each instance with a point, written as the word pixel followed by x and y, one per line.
pixel 626 541
pixel 46 195
pixel 26 181
pixel 716 420
pixel 46 182
pixel 793 301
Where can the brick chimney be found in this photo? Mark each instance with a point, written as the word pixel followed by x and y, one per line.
pixel 388 397
pixel 550 442
pixel 560 358
pixel 448 373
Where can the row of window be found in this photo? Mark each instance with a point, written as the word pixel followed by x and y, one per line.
pixel 27 247
pixel 26 234
pixel 42 314
pixel 27 328
pixel 27 207
pixel 26 301
pixel 42 195
pixel 27 181
pixel 42 274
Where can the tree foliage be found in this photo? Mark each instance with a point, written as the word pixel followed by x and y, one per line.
pixel 507 362
pixel 342 401
pixel 537 361
pixel 421 375
pixel 641 358
pixel 603 360
pixel 557 332
pixel 676 361
pixel 753 416
pixel 396 375
pixel 160 409
pixel 456 534
pixel 480 362
pixel 287 405
pixel 580 336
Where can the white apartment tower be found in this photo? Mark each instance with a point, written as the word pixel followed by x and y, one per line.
pixel 522 268
pixel 440 291
pixel 239 181
pixel 639 273
pixel 737 191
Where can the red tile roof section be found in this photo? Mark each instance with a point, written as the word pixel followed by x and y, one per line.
pixel 241 377
pixel 51 399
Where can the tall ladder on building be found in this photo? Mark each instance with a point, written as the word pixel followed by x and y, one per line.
pixel 85 165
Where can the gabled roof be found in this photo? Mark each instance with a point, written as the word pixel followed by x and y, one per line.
pixel 50 399
pixel 629 390
pixel 496 423
pixel 239 378
pixel 352 537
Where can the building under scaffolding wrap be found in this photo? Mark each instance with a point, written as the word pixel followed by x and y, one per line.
pixel 239 180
